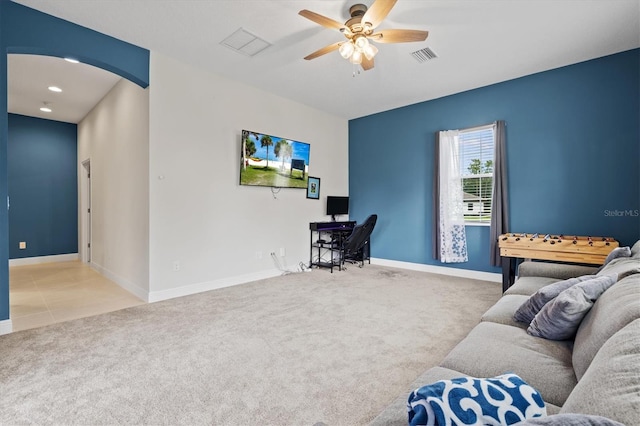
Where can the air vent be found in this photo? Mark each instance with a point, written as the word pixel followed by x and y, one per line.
pixel 244 42
pixel 424 55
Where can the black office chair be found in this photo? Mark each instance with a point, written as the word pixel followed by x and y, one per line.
pixel 353 246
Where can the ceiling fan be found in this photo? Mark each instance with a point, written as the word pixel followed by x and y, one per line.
pixel 359 31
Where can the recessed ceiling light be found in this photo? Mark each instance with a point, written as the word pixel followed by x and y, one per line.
pixel 45 107
pixel 72 60
pixel 55 89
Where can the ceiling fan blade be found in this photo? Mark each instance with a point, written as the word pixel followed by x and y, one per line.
pixel 378 11
pixel 324 50
pixel 322 20
pixel 399 36
pixel 367 64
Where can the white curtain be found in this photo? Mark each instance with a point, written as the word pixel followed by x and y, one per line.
pixel 453 240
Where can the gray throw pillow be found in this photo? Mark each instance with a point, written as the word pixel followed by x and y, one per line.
pixel 614 254
pixel 570 420
pixel 532 306
pixel 560 318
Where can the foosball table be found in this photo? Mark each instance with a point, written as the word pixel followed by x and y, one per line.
pixel 562 248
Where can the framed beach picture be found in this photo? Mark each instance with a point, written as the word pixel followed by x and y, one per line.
pixel 313 188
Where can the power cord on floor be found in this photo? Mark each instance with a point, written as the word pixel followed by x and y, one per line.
pixel 301 266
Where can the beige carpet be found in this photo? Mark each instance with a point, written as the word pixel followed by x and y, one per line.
pixel 294 350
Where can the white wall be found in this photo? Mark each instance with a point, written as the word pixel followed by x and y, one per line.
pixel 115 137
pixel 200 216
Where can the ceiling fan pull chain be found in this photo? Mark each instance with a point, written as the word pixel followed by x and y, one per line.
pixel 356 70
pixel 358 30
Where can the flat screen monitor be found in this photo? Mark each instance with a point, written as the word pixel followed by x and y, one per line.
pixel 337 206
pixel 268 160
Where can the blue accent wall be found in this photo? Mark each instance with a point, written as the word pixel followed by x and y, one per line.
pixel 573 152
pixel 51 36
pixel 43 187
pixel 25 30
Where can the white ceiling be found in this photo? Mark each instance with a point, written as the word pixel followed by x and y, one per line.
pixel 30 76
pixel 479 42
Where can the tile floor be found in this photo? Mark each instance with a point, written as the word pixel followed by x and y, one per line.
pixel 47 293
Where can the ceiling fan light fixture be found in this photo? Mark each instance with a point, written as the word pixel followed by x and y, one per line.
pixel 361 42
pixel 370 51
pixel 356 58
pixel 346 50
pixel 360 32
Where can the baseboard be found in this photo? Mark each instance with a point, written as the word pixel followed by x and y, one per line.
pixel 442 270
pixel 43 259
pixel 6 327
pixel 172 293
pixel 122 282
pixel 157 296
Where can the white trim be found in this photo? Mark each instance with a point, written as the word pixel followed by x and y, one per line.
pixel 156 296
pixel 43 259
pixel 477 128
pixel 122 282
pixel 443 270
pixel 6 327
pixel 84 196
pixel 477 223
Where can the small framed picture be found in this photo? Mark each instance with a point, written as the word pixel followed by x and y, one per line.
pixel 313 188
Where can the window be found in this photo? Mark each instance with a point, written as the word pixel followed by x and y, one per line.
pixel 476 166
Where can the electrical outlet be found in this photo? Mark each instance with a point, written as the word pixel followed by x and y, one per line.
pixel 176 265
pixel 23 245
pixel 258 255
pixel 283 252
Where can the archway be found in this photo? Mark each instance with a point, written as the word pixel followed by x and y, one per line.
pixel 52 36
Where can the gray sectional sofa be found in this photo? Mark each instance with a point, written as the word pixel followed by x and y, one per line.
pixel 597 373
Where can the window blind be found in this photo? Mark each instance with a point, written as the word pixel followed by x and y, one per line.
pixel 477 147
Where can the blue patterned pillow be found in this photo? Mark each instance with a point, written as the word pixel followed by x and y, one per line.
pixel 501 400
